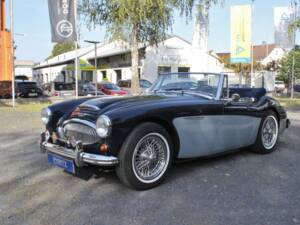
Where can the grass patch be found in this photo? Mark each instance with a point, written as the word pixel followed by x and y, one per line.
pixel 289 102
pixel 32 107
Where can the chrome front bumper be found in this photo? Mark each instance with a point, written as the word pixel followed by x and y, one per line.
pixel 80 158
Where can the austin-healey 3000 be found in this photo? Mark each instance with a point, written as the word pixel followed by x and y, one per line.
pixel 182 116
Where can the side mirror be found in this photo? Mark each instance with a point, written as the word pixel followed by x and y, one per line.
pixel 235 97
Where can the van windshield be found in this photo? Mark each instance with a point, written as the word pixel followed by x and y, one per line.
pixel 26 84
pixel 63 87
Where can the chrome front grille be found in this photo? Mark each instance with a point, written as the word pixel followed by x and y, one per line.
pixel 80 132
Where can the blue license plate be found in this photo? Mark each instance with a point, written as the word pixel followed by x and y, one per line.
pixel 61 162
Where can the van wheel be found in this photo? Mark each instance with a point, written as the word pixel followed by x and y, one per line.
pixel 145 157
pixel 7 96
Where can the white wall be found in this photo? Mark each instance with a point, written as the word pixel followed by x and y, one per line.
pixel 49 74
pixel 175 53
pixel 27 71
pixel 275 55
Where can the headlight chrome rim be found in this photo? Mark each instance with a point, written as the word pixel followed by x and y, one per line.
pixel 46 115
pixel 103 126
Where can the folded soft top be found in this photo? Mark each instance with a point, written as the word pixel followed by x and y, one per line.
pixel 256 93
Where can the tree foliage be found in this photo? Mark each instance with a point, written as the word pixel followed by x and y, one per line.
pixel 286 66
pixel 135 21
pixel 61 48
pixel 151 18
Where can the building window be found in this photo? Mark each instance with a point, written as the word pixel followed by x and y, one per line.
pixel 163 69
pixel 183 69
pixel 119 74
pixel 139 73
pixel 87 76
pixel 104 75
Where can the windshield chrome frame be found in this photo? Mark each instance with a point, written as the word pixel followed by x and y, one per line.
pixel 219 89
pixel 220 86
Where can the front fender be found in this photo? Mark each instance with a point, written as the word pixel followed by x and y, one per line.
pixel 62 110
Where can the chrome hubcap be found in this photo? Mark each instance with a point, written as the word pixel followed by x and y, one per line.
pixel 269 132
pixel 151 157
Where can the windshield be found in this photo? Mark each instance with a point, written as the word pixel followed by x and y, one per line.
pixel 27 85
pixel 198 83
pixel 111 87
pixel 89 87
pixel 63 87
pixel 145 84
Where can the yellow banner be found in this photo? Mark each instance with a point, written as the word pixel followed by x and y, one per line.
pixel 240 17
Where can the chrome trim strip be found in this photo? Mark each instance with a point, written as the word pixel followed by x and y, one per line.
pixel 90 124
pixel 90 106
pixel 78 156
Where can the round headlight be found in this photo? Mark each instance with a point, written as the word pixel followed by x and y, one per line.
pixel 103 126
pixel 46 114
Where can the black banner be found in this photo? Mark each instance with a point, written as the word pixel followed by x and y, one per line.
pixel 62 20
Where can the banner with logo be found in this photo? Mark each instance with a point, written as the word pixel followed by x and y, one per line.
pixel 240 17
pixel 283 16
pixel 62 20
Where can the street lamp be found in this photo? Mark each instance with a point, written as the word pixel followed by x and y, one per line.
pixel 294 48
pixel 95 44
pixel 20 34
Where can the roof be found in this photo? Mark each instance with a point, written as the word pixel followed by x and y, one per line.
pixel 24 63
pixel 260 52
pixel 103 50
pixel 67 57
pixel 122 47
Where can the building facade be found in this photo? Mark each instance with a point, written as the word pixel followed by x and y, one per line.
pixel 5 46
pixel 24 68
pixel 114 62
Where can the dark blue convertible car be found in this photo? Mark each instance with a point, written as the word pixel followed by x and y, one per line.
pixel 182 116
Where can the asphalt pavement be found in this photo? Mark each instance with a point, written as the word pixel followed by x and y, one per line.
pixel 237 189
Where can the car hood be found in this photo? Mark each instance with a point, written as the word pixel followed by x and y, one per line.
pixel 105 104
pixel 120 101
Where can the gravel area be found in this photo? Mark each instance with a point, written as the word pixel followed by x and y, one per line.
pixel 236 189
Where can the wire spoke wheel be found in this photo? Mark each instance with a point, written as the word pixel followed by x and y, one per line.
pixel 151 157
pixel 269 132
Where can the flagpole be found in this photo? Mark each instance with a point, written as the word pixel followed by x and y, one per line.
pixel 76 49
pixel 294 49
pixel 12 53
pixel 252 81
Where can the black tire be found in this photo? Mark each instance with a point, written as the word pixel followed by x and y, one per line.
pixel 127 171
pixel 259 147
pixel 7 96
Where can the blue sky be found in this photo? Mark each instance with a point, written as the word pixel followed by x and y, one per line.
pixel 31 19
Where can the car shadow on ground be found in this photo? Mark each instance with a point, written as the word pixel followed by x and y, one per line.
pixel 179 168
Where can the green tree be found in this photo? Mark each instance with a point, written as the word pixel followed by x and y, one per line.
pixel 61 48
pixel 138 22
pixel 286 66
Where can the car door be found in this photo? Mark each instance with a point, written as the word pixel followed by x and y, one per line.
pixel 240 124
